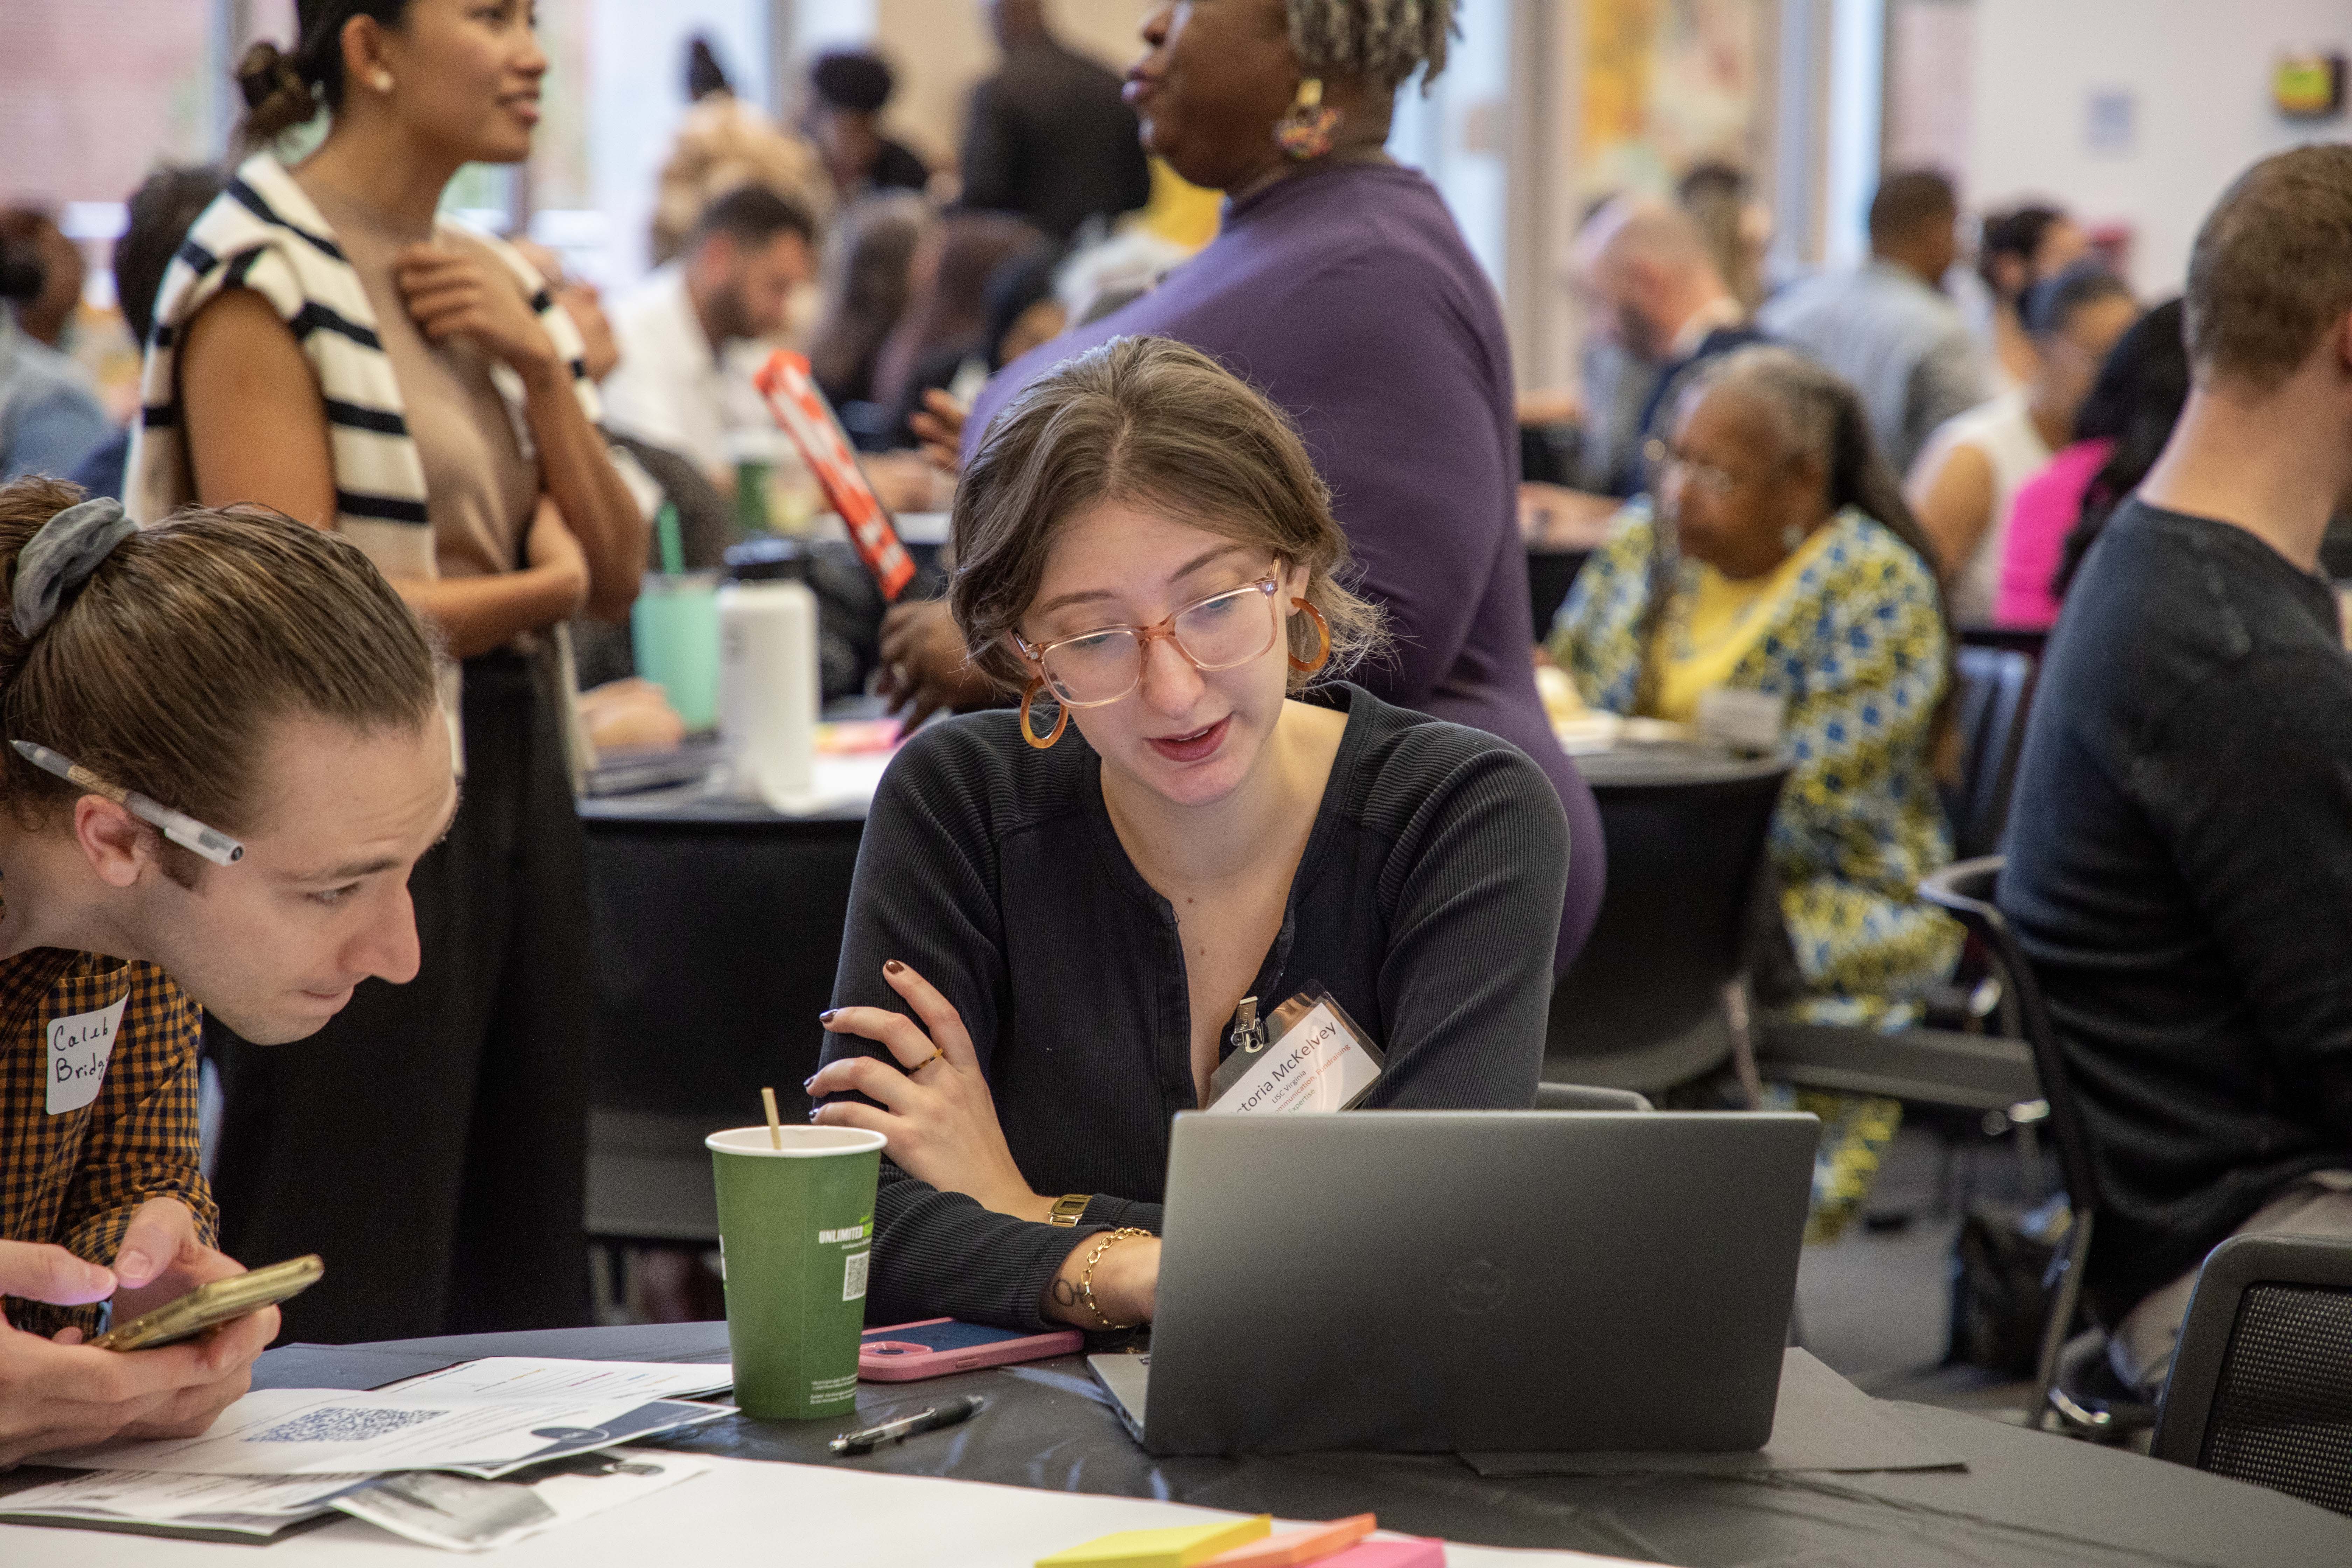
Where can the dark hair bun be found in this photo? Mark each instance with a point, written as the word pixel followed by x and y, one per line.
pixel 704 74
pixel 276 99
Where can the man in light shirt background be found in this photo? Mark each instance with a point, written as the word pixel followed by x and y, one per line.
pixel 733 280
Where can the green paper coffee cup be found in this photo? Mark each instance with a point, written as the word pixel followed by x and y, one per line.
pixel 795 1238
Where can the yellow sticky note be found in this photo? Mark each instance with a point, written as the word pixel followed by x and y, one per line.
pixel 1180 1546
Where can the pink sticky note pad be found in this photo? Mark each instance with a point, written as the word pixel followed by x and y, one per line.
pixel 1389 1554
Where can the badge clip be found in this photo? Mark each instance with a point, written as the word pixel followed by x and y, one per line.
pixel 1248 1035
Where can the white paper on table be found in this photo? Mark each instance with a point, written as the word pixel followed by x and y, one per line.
pixel 756 1510
pixel 259 1506
pixel 457 1513
pixel 310 1431
pixel 536 1377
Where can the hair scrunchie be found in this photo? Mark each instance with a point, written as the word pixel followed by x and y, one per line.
pixel 61 556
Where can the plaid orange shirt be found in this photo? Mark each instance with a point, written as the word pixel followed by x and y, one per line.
pixel 76 1177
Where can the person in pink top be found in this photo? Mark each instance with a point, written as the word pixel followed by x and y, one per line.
pixel 2122 425
pixel 2040 519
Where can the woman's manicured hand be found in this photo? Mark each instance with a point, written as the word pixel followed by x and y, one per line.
pixel 455 294
pixel 937 1111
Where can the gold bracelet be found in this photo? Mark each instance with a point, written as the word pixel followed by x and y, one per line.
pixel 1086 1275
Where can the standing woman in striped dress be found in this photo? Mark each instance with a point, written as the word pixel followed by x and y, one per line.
pixel 326 346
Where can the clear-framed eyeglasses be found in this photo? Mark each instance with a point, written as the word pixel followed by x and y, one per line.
pixel 1665 462
pixel 1223 631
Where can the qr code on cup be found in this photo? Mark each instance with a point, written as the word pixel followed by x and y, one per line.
pixel 853 1275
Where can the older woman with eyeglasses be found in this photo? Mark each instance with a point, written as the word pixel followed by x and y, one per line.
pixel 1777 559
pixel 1058 910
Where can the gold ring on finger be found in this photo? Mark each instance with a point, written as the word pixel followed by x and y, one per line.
pixel 936 1054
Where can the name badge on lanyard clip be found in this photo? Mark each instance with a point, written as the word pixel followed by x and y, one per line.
pixel 1315 1059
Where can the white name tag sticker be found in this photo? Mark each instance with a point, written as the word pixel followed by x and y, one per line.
pixel 1750 720
pixel 79 1049
pixel 1318 1063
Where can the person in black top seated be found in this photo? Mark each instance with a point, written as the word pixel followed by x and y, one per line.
pixel 1057 911
pixel 2180 854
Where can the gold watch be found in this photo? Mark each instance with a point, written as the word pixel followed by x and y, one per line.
pixel 1069 1209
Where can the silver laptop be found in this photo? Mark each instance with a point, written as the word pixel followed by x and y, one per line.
pixel 1463 1282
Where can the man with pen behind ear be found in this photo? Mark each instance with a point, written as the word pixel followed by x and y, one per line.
pixel 245 716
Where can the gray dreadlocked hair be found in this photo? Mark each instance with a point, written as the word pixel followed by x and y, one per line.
pixel 1383 40
pixel 1821 417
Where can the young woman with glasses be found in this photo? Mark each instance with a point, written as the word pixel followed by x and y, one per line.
pixel 1057 910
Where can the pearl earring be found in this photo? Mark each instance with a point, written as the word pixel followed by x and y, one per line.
pixel 380 81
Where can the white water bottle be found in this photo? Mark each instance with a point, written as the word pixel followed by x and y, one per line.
pixel 768 690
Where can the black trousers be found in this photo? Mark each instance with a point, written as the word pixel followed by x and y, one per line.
pixel 431 1141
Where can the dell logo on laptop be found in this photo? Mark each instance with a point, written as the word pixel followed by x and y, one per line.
pixel 1477 1287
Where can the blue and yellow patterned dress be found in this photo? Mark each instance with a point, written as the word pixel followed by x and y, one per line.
pixel 1854 644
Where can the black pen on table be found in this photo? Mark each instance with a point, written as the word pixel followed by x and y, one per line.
pixel 948 1412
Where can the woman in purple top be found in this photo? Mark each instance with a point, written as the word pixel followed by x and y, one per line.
pixel 1340 287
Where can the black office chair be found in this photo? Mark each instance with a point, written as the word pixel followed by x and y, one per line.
pixel 1989 700
pixel 1585 1097
pixel 1644 1005
pixel 2027 641
pixel 2261 1383
pixel 1965 888
pixel 1551 574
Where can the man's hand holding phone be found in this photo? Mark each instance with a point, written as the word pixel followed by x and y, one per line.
pixel 57 1395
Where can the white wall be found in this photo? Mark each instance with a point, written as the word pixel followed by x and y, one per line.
pixel 1459 134
pixel 2197 73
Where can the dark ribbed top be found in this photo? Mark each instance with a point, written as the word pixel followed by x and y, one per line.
pixel 1427 902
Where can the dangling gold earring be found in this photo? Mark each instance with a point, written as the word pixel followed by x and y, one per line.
pixel 1307 132
pixel 1323 634
pixel 1061 717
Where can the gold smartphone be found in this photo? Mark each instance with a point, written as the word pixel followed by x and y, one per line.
pixel 218 1302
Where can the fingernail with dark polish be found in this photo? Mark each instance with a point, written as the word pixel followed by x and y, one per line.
pixel 893 967
pixel 828 1015
pixel 808 1080
pixel 813 1114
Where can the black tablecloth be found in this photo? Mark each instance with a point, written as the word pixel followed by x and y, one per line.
pixel 718 928
pixel 2026 1498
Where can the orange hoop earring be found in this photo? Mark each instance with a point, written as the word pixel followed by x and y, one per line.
pixel 1061 717
pixel 1322 632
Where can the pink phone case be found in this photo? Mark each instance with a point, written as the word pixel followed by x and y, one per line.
pixel 907 1361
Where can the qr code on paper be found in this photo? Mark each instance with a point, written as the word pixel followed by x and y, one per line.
pixel 853 1275
pixel 343 1424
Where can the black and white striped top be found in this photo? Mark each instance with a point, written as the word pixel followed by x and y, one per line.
pixel 264 234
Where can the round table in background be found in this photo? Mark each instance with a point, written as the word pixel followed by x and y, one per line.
pixel 717 926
